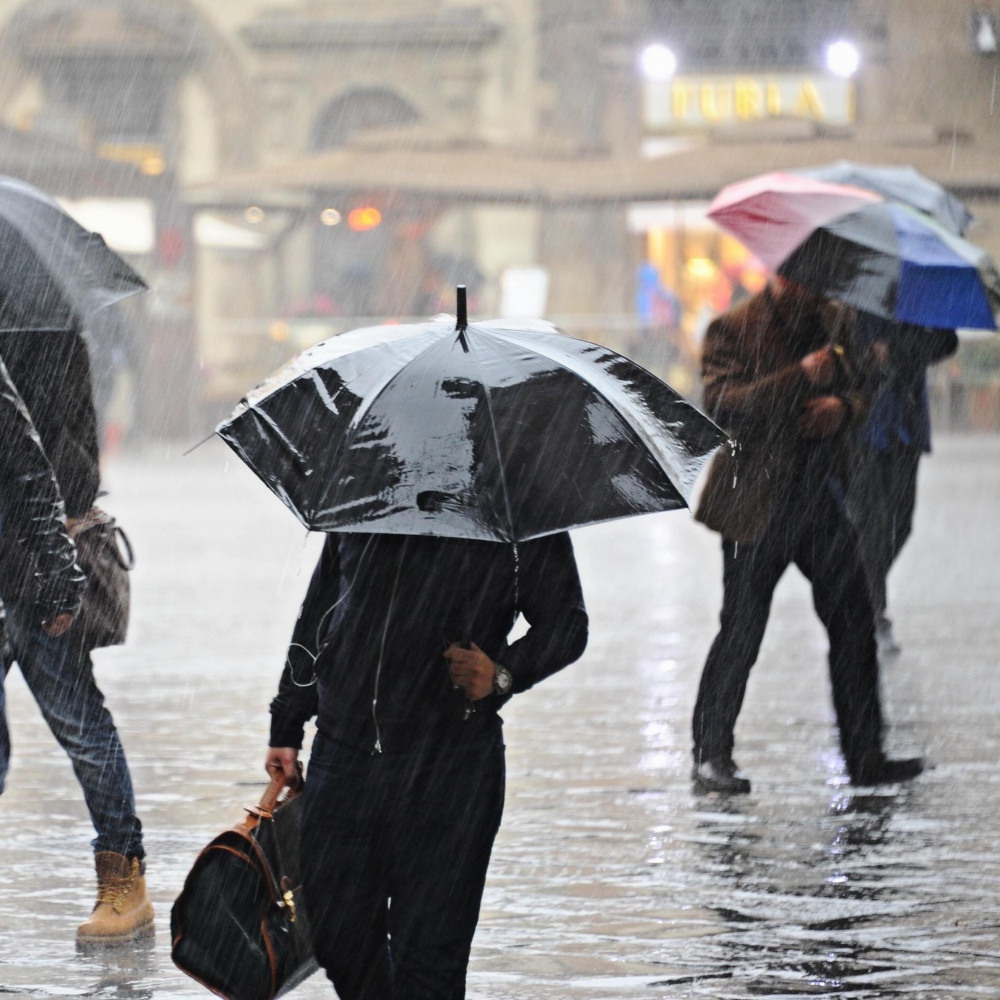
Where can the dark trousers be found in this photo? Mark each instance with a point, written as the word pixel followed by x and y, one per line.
pixel 881 499
pixel 817 537
pixel 60 675
pixel 395 849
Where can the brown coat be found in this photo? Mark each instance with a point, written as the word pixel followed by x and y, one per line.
pixel 754 387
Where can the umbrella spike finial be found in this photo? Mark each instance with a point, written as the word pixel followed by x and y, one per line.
pixel 461 316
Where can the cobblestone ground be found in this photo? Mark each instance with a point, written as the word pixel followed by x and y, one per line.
pixel 610 878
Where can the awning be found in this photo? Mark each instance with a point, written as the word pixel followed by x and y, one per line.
pixel 482 174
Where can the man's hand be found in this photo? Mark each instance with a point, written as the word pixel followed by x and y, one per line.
pixel 57 626
pixel 283 760
pixel 820 367
pixel 471 669
pixel 822 416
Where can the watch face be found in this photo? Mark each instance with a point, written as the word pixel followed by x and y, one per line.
pixel 503 680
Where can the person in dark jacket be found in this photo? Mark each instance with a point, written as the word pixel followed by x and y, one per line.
pixel 52 373
pixel 33 519
pixel 401 651
pixel 783 375
pixel 882 483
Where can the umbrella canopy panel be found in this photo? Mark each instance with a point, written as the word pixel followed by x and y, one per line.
pixel 500 434
pixel 904 184
pixel 773 213
pixel 892 261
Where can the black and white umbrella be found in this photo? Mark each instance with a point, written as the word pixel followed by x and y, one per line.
pixel 498 431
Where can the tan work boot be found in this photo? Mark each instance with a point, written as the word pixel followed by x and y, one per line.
pixel 123 911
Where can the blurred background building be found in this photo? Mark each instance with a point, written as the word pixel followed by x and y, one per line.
pixel 283 170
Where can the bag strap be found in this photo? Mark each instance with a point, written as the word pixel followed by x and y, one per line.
pixel 126 557
pixel 95 518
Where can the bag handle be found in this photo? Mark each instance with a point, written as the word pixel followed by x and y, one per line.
pixel 270 799
pixel 126 558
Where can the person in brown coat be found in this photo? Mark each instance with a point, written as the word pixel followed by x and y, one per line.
pixel 782 376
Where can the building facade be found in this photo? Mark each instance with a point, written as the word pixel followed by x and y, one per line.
pixel 283 169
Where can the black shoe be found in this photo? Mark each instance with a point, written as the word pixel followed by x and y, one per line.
pixel 887 772
pixel 719 774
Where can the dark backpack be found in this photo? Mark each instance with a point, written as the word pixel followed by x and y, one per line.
pixel 239 927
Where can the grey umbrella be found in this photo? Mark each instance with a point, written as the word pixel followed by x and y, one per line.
pixel 53 272
pixel 903 184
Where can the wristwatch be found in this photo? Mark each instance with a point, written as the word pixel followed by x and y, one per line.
pixel 503 680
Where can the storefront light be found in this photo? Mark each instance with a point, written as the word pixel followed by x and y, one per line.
pixel 363 219
pixel 657 62
pixel 702 268
pixel 842 59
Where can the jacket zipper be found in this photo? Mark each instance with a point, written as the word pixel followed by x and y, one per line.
pixel 377 749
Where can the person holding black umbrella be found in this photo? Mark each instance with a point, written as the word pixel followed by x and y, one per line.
pixel 446 462
pixel 783 375
pixel 401 651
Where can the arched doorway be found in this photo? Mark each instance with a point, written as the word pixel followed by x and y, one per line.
pixel 349 259
pixel 358 111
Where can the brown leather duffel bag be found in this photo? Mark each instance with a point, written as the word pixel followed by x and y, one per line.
pixel 239 927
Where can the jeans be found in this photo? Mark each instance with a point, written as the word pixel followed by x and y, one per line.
pixel 817 536
pixel 395 849
pixel 60 675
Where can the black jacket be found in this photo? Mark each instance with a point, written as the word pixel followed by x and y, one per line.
pixel 380 611
pixel 52 373
pixel 32 517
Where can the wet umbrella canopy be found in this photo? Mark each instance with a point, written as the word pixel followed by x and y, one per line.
pixel 900 184
pixel 500 431
pixel 52 270
pixel 899 264
pixel 773 213
pixel 855 246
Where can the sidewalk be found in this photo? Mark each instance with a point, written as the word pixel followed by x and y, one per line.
pixel 610 879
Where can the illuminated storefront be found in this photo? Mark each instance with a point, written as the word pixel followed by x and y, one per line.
pixel 704 268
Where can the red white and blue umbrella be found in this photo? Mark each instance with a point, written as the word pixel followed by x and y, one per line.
pixel 864 250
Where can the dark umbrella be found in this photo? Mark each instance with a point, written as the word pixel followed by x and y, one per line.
pixel 903 184
pixel 899 264
pixel 498 431
pixel 52 270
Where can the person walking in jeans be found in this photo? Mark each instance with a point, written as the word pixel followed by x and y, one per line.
pixel 406 639
pixel 783 377
pixel 32 516
pixel 51 371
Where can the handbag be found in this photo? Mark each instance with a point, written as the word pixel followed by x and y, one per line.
pixel 239 927
pixel 104 554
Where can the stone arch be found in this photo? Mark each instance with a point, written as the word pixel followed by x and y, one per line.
pixel 358 110
pixel 217 63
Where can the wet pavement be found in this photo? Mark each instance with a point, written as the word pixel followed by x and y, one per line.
pixel 610 878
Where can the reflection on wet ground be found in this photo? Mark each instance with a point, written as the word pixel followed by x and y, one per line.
pixel 610 878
